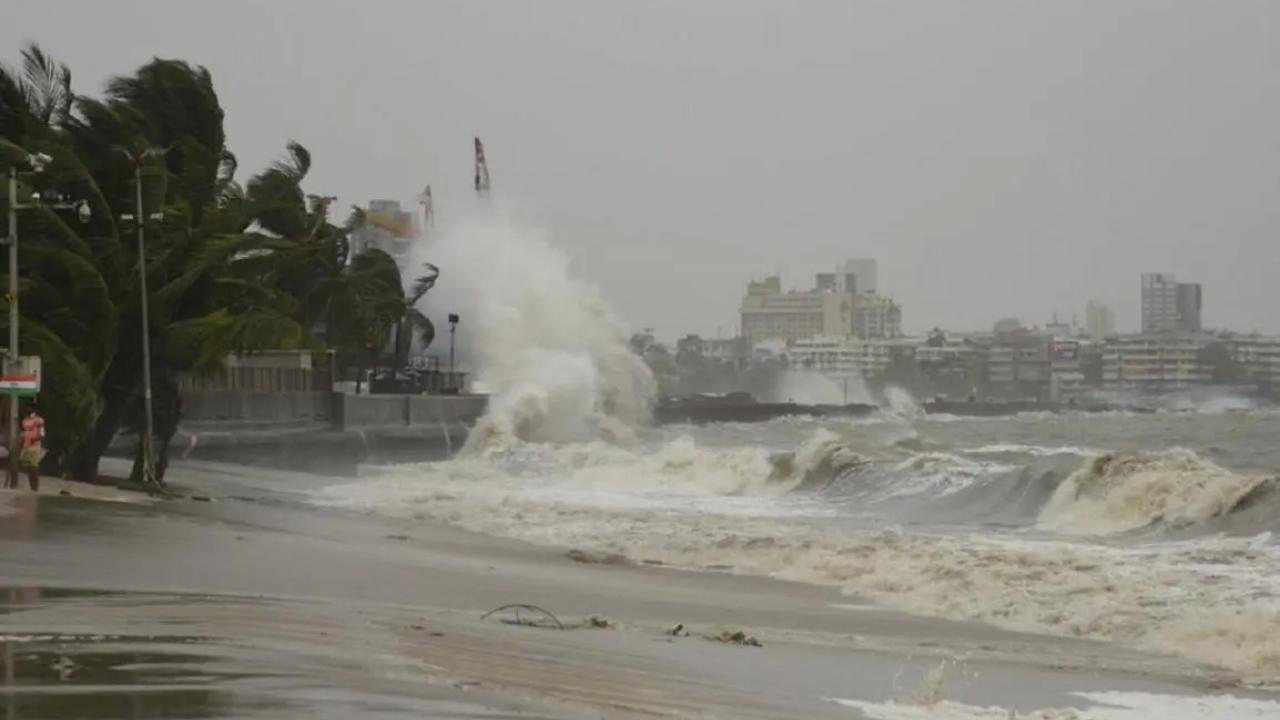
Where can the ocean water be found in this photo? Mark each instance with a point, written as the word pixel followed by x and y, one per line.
pixel 1151 531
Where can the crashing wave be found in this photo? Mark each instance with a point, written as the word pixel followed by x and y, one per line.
pixel 816 464
pixel 552 353
pixel 1118 492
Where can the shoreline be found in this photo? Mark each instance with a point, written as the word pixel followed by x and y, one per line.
pixel 817 642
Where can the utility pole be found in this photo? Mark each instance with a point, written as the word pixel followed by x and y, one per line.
pixel 148 461
pixel 12 358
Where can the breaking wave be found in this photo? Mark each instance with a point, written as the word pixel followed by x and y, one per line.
pixel 552 354
pixel 692 504
pixel 1118 492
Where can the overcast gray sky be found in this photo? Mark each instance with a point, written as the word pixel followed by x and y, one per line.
pixel 997 158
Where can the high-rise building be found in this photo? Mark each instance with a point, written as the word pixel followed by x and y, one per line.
pixel 1189 307
pixel 859 275
pixel 1168 305
pixel 1099 320
pixel 1159 302
pixel 855 277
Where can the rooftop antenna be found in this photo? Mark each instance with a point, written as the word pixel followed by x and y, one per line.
pixel 482 171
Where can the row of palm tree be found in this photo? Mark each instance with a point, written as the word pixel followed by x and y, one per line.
pixel 230 267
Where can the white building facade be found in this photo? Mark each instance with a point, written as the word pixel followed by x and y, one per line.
pixel 1154 363
pixel 844 356
pixel 768 313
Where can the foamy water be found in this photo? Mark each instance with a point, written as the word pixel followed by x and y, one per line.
pixel 1210 599
pixel 1150 531
pixel 1103 706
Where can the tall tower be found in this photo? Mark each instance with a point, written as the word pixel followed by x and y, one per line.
pixel 1159 302
pixel 482 171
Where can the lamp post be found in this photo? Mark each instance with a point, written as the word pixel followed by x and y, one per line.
pixel 148 458
pixel 453 332
pixel 37 162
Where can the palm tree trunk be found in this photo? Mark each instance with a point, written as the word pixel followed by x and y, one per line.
pixel 117 388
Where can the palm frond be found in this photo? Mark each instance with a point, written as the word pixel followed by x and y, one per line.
pixel 424 283
pixel 48 85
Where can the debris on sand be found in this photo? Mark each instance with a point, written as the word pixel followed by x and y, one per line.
pixel 736 637
pixel 540 619
pixel 597 558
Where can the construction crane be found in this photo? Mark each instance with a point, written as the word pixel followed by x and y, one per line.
pixel 482 171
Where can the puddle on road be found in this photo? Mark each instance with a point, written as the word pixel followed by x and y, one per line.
pixel 56 670
pixel 68 676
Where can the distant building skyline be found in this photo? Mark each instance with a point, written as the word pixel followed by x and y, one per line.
pixel 1099 320
pixel 836 306
pixel 1169 305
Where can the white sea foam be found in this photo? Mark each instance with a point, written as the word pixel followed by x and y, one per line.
pixel 940 473
pixel 1212 600
pixel 1035 450
pixel 1103 706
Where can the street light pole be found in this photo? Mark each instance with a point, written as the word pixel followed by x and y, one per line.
pixel 12 359
pixel 148 462
pixel 453 331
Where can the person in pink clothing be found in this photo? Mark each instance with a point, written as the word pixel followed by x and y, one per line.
pixel 32 446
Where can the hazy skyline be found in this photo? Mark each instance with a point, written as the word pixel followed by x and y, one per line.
pixel 996 158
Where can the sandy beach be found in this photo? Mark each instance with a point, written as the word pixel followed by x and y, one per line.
pixel 352 607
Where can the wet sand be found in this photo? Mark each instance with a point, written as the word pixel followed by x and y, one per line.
pixel 254 605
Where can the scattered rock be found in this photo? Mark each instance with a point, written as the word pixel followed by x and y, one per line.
pixel 595 621
pixel 653 562
pixel 597 558
pixel 678 631
pixel 65 493
pixel 397 537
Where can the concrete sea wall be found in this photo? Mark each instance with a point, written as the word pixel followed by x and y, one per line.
pixel 320 432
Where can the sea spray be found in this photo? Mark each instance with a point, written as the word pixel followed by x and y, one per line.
pixel 545 345
pixel 901 403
